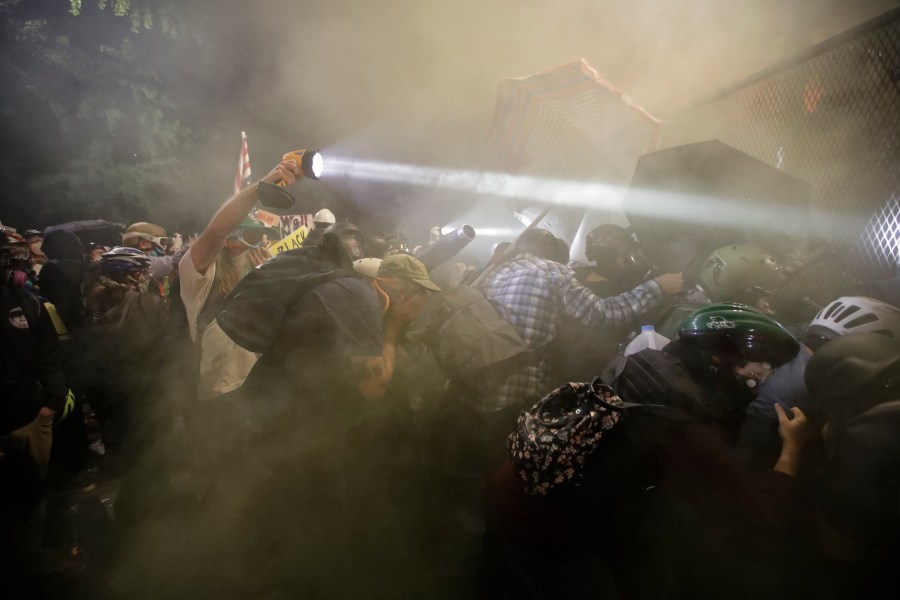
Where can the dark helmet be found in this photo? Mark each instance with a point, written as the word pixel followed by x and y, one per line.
pixel 615 252
pixel 122 262
pixel 350 237
pixel 853 373
pixel 606 239
pixel 735 333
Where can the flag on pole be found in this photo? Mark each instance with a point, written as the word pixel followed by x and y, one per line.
pixel 242 179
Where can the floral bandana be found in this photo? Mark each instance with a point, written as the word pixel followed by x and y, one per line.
pixel 553 440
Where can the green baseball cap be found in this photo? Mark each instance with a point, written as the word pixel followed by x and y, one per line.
pixel 404 266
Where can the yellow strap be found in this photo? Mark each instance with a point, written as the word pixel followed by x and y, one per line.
pixel 69 406
pixel 58 324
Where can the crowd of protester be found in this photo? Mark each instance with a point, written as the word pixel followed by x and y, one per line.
pixel 345 420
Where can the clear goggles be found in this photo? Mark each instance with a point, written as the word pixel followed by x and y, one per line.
pixel 162 242
pixel 253 237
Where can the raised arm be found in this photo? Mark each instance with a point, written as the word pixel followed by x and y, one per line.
pixel 205 249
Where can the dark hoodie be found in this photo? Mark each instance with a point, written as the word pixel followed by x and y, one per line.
pixel 61 277
pixel 32 374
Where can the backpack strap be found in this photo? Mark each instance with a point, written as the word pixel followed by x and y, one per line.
pixel 31 308
pixel 211 307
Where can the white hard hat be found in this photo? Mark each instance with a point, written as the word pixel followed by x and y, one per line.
pixel 367 267
pixel 324 216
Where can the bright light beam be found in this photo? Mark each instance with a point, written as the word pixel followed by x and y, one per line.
pixel 747 214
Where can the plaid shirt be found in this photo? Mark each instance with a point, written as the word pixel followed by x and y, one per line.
pixel 534 295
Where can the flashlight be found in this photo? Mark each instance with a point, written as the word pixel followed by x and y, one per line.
pixel 275 196
pixel 309 161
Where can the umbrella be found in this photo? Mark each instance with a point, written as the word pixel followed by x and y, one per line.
pixel 571 123
pixel 95 231
pixel 686 201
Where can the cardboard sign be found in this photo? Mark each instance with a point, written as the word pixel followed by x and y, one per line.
pixel 269 219
pixel 295 240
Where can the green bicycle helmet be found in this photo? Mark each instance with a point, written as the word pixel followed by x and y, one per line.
pixel 735 332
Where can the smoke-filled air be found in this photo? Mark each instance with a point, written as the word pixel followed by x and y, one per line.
pixel 498 299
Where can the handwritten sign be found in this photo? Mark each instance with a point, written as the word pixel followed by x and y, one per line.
pixel 295 240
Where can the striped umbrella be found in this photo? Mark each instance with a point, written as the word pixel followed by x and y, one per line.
pixel 571 123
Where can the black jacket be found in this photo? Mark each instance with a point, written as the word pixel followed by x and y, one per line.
pixel 32 371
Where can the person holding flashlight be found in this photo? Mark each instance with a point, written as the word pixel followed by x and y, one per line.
pixel 227 250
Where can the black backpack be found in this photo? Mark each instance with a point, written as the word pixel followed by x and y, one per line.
pixel 253 312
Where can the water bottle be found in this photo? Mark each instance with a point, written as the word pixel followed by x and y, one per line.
pixel 648 338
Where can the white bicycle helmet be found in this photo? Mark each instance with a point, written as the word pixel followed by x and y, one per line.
pixel 854 314
pixel 367 267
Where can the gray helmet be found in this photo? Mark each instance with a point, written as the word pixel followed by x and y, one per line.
pixel 853 373
pixel 853 314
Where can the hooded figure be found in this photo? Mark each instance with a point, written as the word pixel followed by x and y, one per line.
pixel 62 276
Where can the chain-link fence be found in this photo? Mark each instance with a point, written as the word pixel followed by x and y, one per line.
pixel 830 116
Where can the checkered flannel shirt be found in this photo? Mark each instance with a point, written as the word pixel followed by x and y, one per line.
pixel 534 294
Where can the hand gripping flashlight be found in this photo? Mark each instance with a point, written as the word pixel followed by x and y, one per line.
pixel 275 196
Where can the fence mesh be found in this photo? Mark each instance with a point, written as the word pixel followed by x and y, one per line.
pixel 831 117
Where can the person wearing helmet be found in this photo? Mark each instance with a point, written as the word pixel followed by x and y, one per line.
pixel 34 395
pixel 855 382
pixel 351 237
pixel 33 379
pixel 618 265
pixel 210 269
pixel 123 272
pixel 538 294
pixel 124 334
pixel 149 238
pixel 323 219
pixel 759 443
pixel 152 240
pixel 853 314
pixel 681 517
pixel 35 239
pixel 742 273
pixel 16 259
